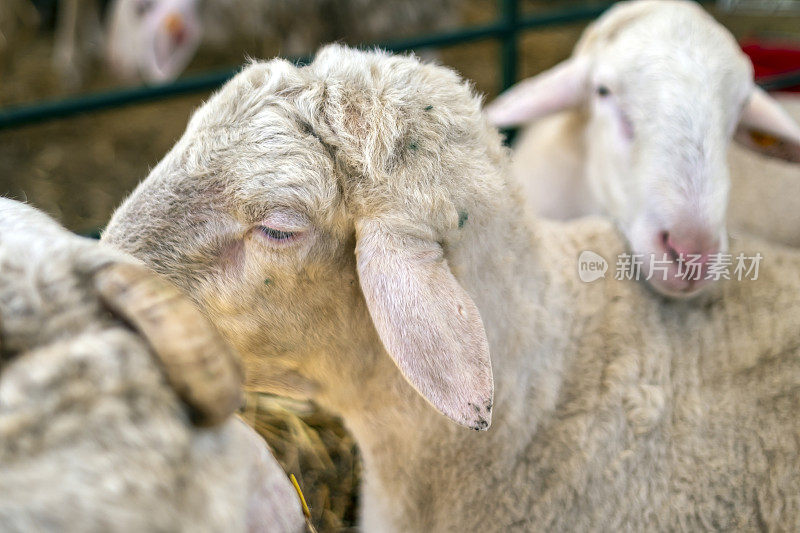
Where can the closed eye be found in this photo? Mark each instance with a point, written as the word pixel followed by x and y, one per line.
pixel 277 235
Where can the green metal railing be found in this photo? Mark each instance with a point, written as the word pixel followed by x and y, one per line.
pixel 506 28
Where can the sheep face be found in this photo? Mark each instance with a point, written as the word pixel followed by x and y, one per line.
pixel 152 40
pixel 309 212
pixel 663 88
pixel 660 120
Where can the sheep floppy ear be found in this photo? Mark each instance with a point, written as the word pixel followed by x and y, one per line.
pixel 427 322
pixel 765 127
pixel 198 363
pixel 562 87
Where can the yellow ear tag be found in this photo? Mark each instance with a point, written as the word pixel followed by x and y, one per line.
pixel 764 140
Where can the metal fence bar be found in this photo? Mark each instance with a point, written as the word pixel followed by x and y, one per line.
pixel 506 28
pixel 27 114
pixel 780 81
pixel 509 43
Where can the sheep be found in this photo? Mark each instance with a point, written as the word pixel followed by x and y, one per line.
pixel 154 40
pixel 351 228
pixel 92 438
pixel 764 191
pixel 636 124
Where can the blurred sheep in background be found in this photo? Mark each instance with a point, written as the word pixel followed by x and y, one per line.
pixel 636 126
pixel 155 40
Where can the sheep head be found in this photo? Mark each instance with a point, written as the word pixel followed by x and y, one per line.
pixel 152 40
pixel 311 213
pixel 664 88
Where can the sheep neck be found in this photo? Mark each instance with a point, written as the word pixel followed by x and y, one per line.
pixel 401 436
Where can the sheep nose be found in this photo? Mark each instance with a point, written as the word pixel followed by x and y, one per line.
pixel 175 27
pixel 699 247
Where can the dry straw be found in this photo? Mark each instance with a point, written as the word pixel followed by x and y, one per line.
pixel 314 447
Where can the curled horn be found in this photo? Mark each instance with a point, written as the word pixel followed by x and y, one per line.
pixel 199 365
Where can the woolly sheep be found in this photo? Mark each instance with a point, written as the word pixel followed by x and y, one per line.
pixel 155 39
pixel 91 437
pixel 636 125
pixel 349 226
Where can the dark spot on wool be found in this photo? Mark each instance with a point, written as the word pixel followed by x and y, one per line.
pixel 463 216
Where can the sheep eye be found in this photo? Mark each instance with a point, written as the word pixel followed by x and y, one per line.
pixel 603 91
pixel 276 234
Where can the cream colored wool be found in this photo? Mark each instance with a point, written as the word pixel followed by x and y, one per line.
pixel 613 409
pixel 91 436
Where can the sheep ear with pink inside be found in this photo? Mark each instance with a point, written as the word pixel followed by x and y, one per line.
pixel 766 128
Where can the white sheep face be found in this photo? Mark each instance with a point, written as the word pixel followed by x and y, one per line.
pixel 659 125
pixel 307 210
pixel 152 40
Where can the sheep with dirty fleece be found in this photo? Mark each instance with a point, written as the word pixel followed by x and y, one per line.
pixel 636 125
pixel 92 435
pixel 351 228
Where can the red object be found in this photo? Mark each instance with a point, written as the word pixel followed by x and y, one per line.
pixel 771 58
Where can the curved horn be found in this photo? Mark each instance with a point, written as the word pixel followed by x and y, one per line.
pixel 199 364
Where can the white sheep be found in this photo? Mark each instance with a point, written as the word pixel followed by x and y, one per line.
pixel 636 125
pixel 351 229
pixel 92 438
pixel 154 40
